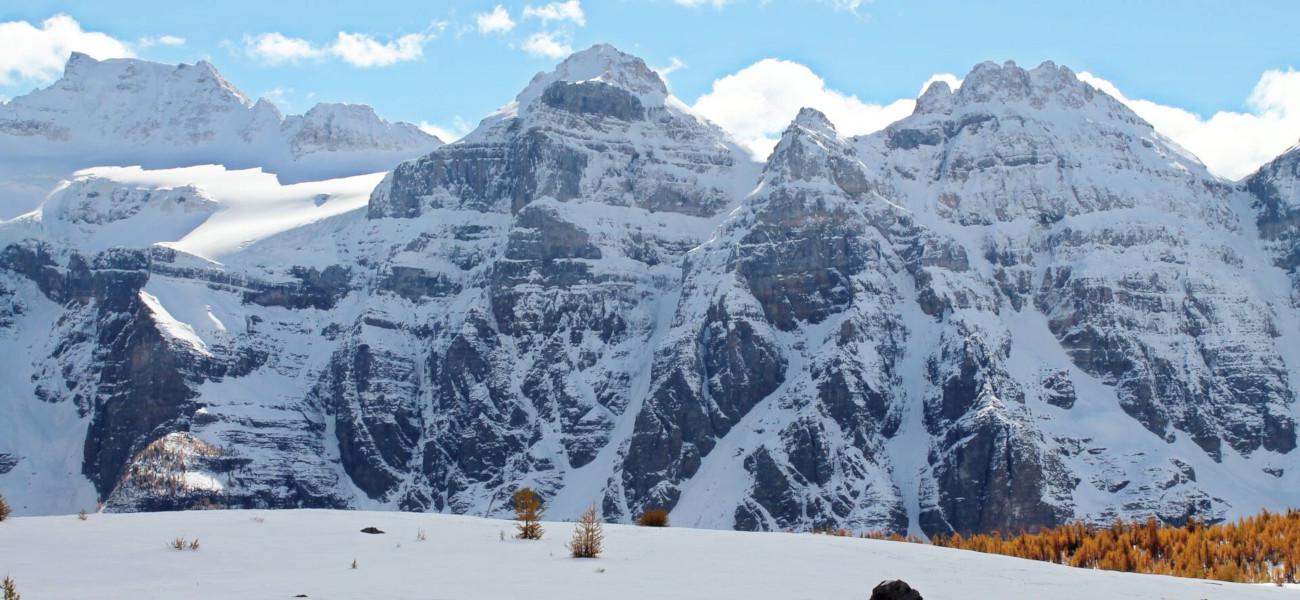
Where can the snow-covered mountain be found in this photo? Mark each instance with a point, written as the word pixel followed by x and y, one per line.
pixel 1018 306
pixel 134 112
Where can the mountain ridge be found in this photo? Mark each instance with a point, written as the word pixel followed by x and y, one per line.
pixel 1018 306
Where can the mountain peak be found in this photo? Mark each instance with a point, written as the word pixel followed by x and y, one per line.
pixel 814 120
pixel 989 82
pixel 76 61
pixel 605 64
pixel 938 97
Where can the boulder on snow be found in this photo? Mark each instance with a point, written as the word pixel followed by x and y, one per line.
pixel 372 530
pixel 894 589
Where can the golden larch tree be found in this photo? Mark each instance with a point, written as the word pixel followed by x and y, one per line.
pixel 528 514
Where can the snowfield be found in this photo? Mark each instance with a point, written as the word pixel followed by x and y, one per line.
pixel 282 554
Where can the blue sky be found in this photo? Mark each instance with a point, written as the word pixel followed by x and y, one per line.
pixel 1199 56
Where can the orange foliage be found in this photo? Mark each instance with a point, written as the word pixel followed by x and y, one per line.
pixel 1264 548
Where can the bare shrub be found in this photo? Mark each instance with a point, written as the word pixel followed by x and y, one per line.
pixel 354 563
pixel 420 536
pixel 528 514
pixel 4 509
pixel 82 516
pixel 178 543
pixel 194 545
pixel 588 536
pixel 655 517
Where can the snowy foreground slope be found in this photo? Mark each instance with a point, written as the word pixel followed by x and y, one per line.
pixel 281 554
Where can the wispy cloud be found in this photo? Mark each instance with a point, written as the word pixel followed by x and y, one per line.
pixel 361 50
pixel 548 44
pixel 674 64
pixel 356 49
pixel 496 21
pixel 37 54
pixel 558 11
pixel 160 40
pixel 275 48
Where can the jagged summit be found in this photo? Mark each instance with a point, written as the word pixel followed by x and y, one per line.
pixel 937 98
pixel 605 64
pixel 1009 84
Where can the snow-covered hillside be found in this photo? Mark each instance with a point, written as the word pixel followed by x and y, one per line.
pixel 309 553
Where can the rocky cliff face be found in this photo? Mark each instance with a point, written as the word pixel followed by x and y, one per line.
pixel 1276 188
pixel 1016 307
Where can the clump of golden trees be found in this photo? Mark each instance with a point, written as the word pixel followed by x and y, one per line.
pixel 1264 548
pixel 4 509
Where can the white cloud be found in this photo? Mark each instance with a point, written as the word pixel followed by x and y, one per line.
pixel 497 21
pixel 1231 144
pixel 548 44
pixel 37 54
pixel 160 40
pixel 557 11
pixel 357 49
pixel 275 48
pixel 757 103
pixel 361 50
pixel 458 129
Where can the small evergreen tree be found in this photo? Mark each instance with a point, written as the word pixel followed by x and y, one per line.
pixel 528 514
pixel 10 591
pixel 588 536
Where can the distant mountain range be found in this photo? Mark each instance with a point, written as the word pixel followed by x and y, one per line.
pixel 134 112
pixel 1018 306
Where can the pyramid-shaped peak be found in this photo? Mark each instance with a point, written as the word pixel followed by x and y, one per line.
pixel 606 64
pixel 813 120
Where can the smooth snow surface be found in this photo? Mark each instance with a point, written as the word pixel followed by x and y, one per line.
pixel 281 554
pixel 103 207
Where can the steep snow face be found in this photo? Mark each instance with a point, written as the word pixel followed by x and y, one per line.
pixel 126 111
